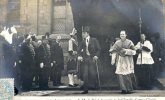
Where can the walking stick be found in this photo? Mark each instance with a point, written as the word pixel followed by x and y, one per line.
pixel 140 30
pixel 78 69
pixel 98 75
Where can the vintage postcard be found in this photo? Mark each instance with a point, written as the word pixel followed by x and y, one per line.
pixel 82 49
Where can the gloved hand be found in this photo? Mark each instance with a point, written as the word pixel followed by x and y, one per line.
pixel 95 58
pixel 54 62
pixel 41 65
pixel 15 64
pixel 51 64
pixel 80 58
pixel 20 61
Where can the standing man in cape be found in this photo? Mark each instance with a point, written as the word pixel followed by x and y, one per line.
pixel 88 53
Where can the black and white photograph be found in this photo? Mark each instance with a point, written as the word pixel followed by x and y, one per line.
pixel 53 49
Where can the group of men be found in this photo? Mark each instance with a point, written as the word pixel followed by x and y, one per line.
pixel 29 59
pixel 43 58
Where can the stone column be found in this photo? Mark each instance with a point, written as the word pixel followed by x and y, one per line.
pixel 28 16
pixel 3 10
pixel 163 1
pixel 44 16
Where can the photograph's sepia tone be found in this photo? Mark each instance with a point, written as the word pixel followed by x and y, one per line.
pixel 82 48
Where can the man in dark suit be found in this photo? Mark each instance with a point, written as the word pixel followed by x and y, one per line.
pixel 35 70
pixel 88 53
pixel 27 59
pixel 44 60
pixel 57 61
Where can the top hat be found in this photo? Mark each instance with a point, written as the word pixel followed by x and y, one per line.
pixel 86 29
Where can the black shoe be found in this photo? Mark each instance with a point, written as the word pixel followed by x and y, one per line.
pixel 61 83
pixel 43 87
pixel 84 92
pixel 15 91
pixel 71 85
pixel 139 88
pixel 75 85
pixel 128 92
pixel 123 92
pixel 54 84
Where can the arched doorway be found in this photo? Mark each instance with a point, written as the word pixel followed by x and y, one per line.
pixel 108 17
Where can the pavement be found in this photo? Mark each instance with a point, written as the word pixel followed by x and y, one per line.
pixel 65 90
pixel 137 93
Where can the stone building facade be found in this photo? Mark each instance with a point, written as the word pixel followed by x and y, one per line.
pixel 39 17
pixel 54 16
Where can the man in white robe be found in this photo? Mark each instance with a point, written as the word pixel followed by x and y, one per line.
pixel 124 49
pixel 144 70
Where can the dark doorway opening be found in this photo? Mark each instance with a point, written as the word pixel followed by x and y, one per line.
pixel 107 18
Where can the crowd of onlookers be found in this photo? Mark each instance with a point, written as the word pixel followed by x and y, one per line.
pixel 26 58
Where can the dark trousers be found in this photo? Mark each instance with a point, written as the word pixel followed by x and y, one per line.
pixel 56 73
pixel 17 76
pixel 9 67
pixel 36 73
pixel 144 74
pixel 1 66
pixel 89 73
pixel 44 77
pixel 27 78
pixel 157 68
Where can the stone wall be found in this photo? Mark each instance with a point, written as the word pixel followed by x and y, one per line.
pixel 35 16
pixel 164 15
pixel 3 10
pixel 28 16
pixel 44 16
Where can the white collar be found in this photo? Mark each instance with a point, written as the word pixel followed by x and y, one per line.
pixel 88 38
pixel 72 39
